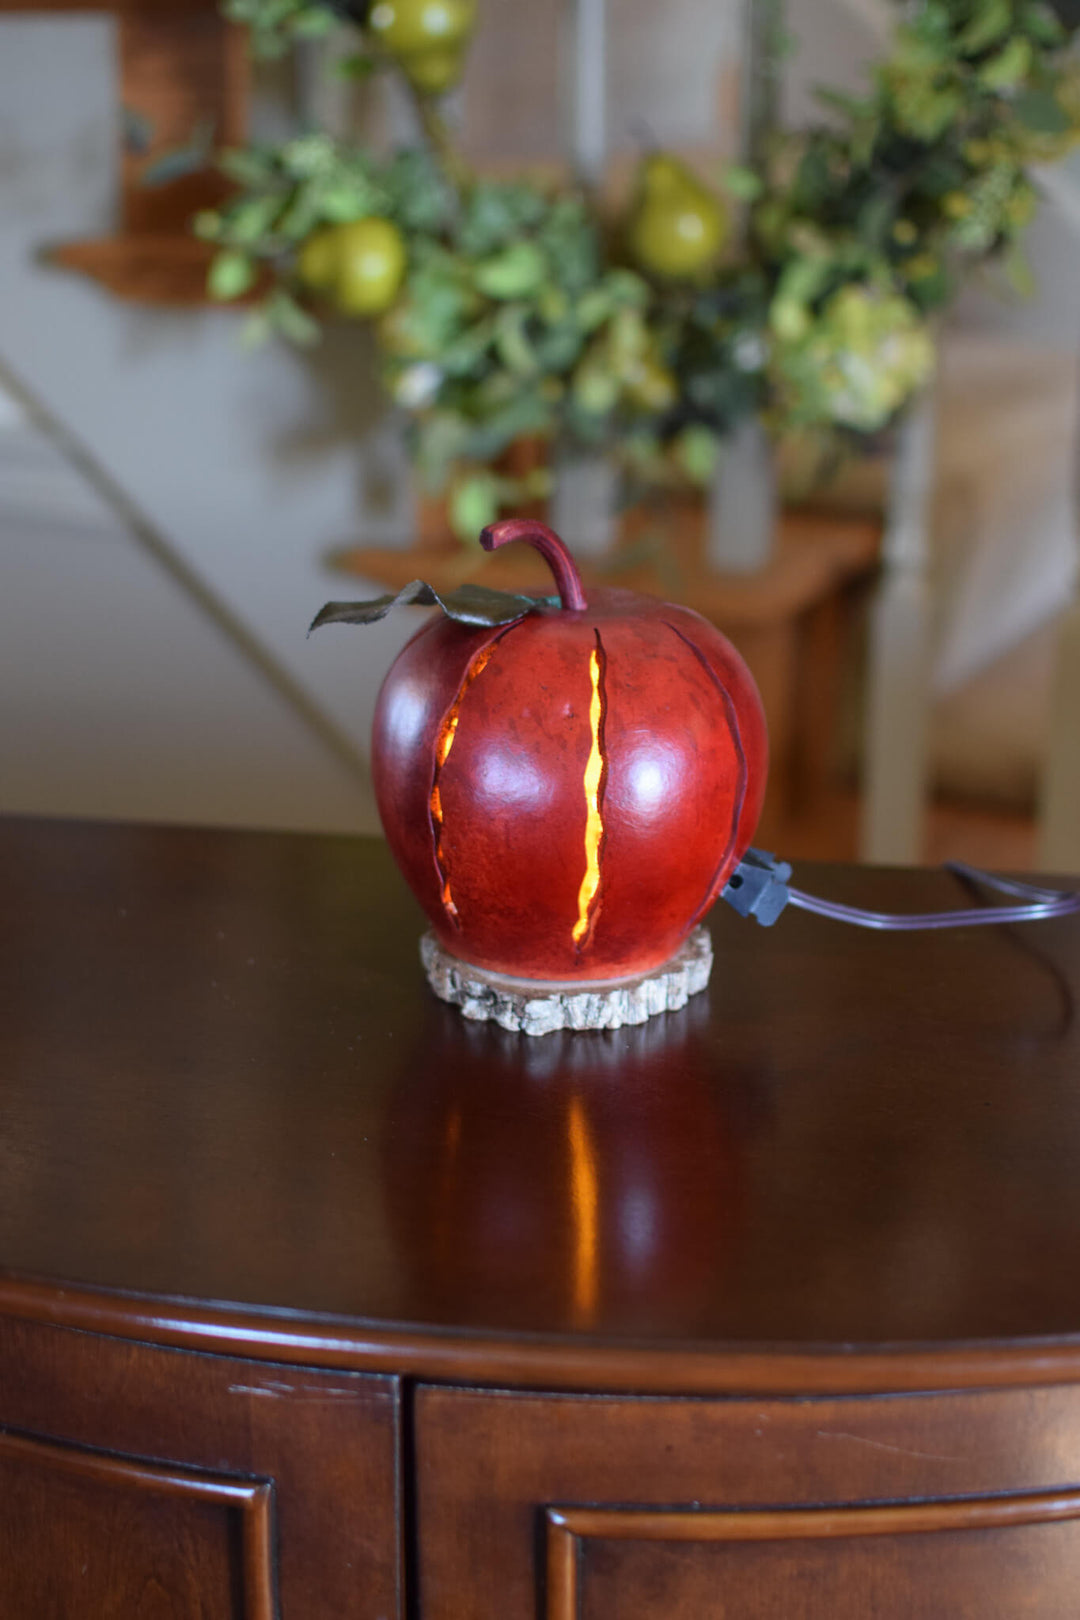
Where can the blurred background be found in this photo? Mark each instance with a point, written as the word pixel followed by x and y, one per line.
pixel 175 506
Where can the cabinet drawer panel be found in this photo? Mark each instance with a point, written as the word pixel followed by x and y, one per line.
pixel 163 1484
pixel 971 1558
pixel 88 1533
pixel 588 1507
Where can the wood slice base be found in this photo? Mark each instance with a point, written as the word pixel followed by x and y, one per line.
pixel 537 1008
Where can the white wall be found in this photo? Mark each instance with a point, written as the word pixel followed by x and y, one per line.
pixel 244 466
pixel 118 695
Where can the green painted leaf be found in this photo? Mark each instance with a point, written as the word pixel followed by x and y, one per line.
pixel 524 413
pixel 516 271
pixel 468 604
pixel 251 219
pixel 1042 24
pixel 206 225
pixel 354 198
pixel 696 450
pixel 247 168
pixel 256 331
pixel 301 215
pixel 627 289
pixel 991 22
pixel 496 212
pixel 358 66
pixel 230 275
pixel 512 341
pixel 474 503
pixel 1009 66
pixel 1041 111
pixel 593 308
pixel 743 183
pixel 292 322
pixel 313 24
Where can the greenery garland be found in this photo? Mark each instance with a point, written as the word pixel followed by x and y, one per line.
pixel 509 309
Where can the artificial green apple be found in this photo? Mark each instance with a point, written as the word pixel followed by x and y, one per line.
pixel 359 265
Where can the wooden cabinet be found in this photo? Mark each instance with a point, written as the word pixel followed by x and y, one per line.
pixel 822 1509
pixel 318 1303
pixel 143 1482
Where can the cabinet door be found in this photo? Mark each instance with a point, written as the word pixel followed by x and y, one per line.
pixel 149 1484
pixel 917 1507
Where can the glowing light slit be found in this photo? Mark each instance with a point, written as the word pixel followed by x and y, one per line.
pixel 444 742
pixel 595 773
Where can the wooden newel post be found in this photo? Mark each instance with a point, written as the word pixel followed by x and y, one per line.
pixel 744 500
pixel 584 499
pixel 589 73
pixel 1059 818
pixel 898 677
pixel 1059 810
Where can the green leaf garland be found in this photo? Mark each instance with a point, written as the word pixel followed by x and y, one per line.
pixel 522 312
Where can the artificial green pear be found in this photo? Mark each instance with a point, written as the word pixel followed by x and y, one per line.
pixel 678 225
pixel 434 72
pixel 426 37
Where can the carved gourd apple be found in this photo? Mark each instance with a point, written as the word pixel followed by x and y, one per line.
pixel 567 792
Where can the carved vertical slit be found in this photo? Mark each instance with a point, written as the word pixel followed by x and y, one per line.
pixel 595 783
pixel 444 742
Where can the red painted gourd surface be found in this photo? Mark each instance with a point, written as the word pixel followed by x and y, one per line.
pixel 568 794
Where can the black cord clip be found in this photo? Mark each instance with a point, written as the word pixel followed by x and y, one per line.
pixel 758 887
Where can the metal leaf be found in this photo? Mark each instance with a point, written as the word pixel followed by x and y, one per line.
pixel 468 604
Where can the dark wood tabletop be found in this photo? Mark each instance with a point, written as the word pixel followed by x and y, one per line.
pixel 223 1079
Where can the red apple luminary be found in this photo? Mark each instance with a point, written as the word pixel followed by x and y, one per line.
pixel 567 793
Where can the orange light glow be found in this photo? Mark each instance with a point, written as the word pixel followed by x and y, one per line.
pixel 584 1194
pixel 443 744
pixel 594 826
pixel 449 730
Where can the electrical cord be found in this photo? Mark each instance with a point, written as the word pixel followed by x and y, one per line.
pixel 759 888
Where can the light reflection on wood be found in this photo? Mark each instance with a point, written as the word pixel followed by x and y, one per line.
pixel 583 1187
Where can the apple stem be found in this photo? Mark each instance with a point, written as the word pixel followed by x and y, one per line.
pixel 551 548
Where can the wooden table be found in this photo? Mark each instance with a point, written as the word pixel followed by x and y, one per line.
pixel 319 1302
